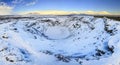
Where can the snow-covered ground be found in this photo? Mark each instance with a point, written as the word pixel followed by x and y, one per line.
pixel 59 40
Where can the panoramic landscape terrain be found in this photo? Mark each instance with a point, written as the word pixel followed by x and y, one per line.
pixel 59 40
pixel 59 32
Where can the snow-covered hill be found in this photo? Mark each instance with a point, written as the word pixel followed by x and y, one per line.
pixel 59 40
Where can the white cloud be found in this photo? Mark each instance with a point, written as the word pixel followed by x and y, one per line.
pixel 5 9
pixel 56 12
pixel 31 3
pixel 2 4
pixel 98 13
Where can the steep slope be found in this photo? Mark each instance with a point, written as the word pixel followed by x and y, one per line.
pixel 59 40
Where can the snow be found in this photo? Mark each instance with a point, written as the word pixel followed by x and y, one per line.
pixel 59 40
pixel 57 32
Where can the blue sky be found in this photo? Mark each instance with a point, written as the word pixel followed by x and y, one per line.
pixel 111 6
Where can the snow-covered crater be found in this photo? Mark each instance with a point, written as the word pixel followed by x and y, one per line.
pixel 74 40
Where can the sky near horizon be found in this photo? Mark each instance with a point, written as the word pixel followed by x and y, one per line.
pixel 8 7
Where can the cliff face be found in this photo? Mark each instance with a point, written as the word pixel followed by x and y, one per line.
pixel 59 40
